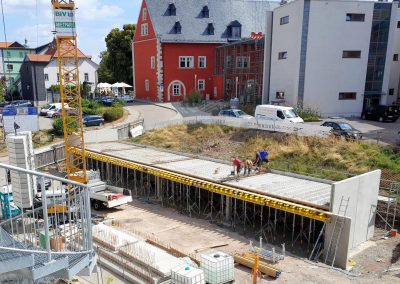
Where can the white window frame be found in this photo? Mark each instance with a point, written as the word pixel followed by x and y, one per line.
pixel 147 85
pixel 204 59
pixel 144 29
pixel 86 77
pixel 176 87
pixel 201 82
pixel 241 60
pixel 46 77
pixel 188 60
pixel 152 62
pixel 144 14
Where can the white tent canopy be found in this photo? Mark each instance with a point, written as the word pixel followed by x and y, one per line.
pixel 121 85
pixel 103 85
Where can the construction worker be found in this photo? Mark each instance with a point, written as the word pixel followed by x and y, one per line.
pixel 261 157
pixel 237 166
pixel 248 166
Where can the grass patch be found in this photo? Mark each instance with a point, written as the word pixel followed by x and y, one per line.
pixel 330 158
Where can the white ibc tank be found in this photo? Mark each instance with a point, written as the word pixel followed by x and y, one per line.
pixel 20 154
pixel 218 267
pixel 185 274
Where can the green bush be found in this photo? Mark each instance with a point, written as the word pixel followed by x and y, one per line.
pixel 58 129
pixel 113 113
pixel 91 107
pixel 194 98
pixel 308 113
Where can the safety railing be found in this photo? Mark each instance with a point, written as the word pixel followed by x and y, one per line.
pixel 50 220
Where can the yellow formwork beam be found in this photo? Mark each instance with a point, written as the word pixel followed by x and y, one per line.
pixel 222 189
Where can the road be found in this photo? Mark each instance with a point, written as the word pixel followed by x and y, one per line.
pixel 150 112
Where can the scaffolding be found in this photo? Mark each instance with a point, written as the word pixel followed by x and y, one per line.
pixel 241 66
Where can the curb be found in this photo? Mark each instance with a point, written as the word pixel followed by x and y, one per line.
pixel 156 104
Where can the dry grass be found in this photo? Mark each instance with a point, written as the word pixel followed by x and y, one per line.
pixel 329 158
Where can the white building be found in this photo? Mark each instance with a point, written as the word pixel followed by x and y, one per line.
pixel 40 71
pixel 335 56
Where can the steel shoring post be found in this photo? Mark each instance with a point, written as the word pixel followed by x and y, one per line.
pixel 199 201
pixel 294 220
pixel 245 217
pixel 309 235
pixel 302 234
pixel 187 201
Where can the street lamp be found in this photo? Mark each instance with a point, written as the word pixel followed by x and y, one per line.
pixel 237 79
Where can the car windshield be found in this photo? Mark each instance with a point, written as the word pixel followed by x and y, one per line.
pixel 290 113
pixel 240 112
pixel 345 126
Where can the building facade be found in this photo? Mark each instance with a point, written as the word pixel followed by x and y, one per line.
pixel 39 73
pixel 335 56
pixel 175 44
pixel 12 55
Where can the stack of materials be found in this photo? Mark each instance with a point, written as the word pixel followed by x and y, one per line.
pixel 185 274
pixel 112 238
pixel 218 267
pixel 263 267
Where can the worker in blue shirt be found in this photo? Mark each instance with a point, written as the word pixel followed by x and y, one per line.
pixel 261 157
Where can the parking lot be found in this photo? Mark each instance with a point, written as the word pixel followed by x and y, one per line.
pixel 382 132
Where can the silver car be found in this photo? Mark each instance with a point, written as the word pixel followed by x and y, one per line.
pixel 235 113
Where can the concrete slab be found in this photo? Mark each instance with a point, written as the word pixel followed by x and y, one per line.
pixel 294 188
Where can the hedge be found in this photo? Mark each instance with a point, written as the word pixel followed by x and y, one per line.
pixel 113 113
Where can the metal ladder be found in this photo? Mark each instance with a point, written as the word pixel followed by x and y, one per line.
pixel 337 232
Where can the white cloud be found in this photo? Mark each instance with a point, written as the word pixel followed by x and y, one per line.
pixel 36 35
pixel 89 10
pixel 21 5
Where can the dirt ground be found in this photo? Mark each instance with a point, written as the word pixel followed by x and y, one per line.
pixel 197 236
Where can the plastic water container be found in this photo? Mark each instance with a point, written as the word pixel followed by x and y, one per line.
pixel 218 267
pixel 185 274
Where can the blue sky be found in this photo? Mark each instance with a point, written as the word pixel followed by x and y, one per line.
pixel 32 19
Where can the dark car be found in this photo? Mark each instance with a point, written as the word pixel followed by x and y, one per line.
pixel 108 101
pixel 19 103
pixel 93 120
pixel 343 129
pixel 381 113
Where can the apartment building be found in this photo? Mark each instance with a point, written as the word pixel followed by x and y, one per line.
pixel 336 56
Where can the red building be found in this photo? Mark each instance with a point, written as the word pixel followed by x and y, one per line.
pixel 174 47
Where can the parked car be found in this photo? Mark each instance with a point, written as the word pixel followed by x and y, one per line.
pixel 381 113
pixel 235 113
pixel 108 101
pixel 93 120
pixel 55 113
pixel 127 99
pixel 20 103
pixel 3 104
pixel 343 129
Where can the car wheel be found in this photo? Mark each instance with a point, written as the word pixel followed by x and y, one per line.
pixel 97 205
pixel 380 119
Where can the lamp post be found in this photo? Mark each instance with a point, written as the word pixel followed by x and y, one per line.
pixel 237 79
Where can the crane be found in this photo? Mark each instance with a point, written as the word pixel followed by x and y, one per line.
pixel 68 62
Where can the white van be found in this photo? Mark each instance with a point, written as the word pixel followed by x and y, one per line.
pixel 51 107
pixel 278 113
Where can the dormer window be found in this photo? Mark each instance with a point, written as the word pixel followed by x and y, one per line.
pixel 205 12
pixel 177 28
pixel 235 30
pixel 210 28
pixel 171 9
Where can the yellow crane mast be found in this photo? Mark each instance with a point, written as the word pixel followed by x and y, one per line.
pixel 68 63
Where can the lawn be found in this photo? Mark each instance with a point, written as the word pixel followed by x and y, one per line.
pixel 330 158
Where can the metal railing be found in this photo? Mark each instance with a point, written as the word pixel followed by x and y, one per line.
pixel 54 223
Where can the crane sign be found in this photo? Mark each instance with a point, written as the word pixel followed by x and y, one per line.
pixel 68 62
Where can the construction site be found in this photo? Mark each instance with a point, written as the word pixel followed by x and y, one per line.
pixel 77 210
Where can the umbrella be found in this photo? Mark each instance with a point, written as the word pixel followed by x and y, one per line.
pixel 125 85
pixel 103 85
pixel 117 85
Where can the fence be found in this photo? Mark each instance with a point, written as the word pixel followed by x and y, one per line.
pixel 50 156
pixel 124 130
pixel 268 125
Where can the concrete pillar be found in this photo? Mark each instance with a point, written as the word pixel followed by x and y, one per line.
pixel 228 209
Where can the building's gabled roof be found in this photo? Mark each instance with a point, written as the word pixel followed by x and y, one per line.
pixel 250 14
pixel 14 44
pixel 38 57
pixel 51 49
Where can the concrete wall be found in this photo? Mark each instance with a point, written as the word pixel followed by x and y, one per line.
pixel 285 72
pixel 363 193
pixel 101 135
pixel 342 253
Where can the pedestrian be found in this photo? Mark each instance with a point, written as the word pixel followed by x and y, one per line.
pixel 248 166
pixel 237 166
pixel 261 157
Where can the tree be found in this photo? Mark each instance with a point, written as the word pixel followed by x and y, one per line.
pixel 116 62
pixel 2 89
